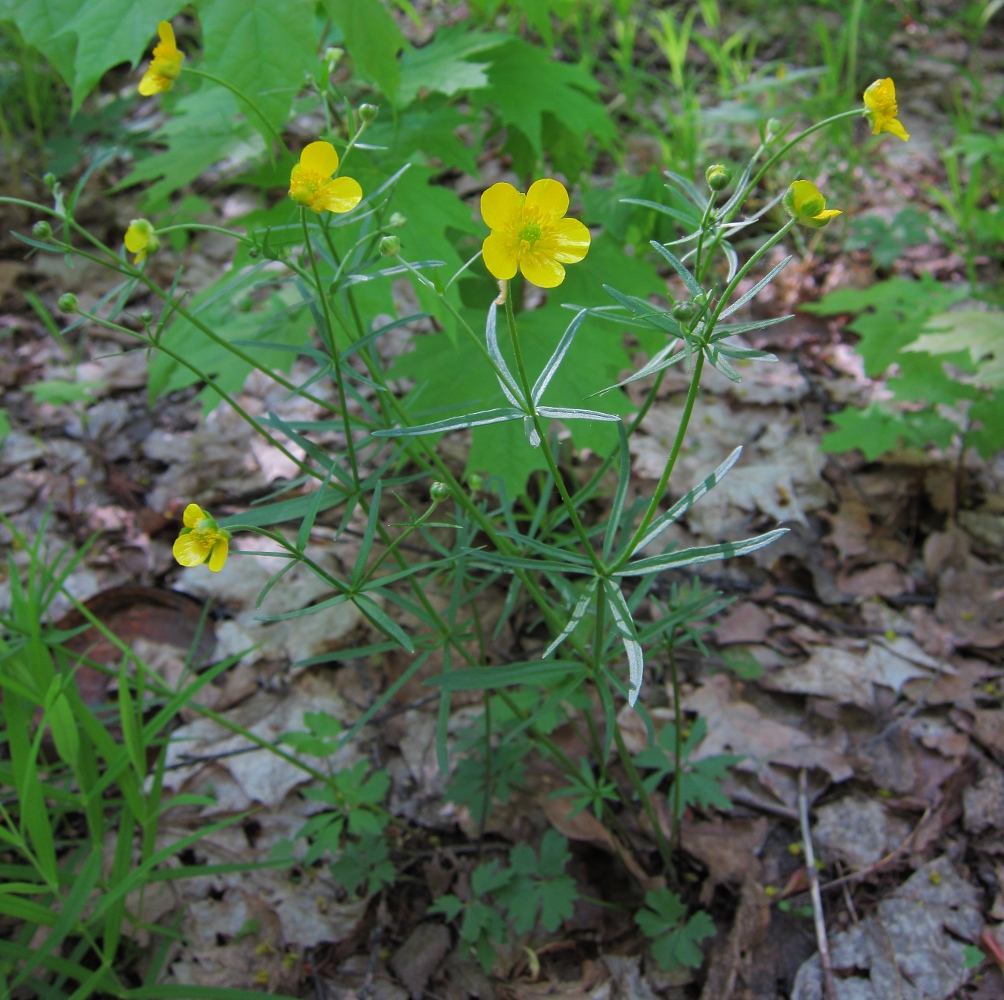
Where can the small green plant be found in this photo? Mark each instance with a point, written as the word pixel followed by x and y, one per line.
pixel 675 939
pixel 534 887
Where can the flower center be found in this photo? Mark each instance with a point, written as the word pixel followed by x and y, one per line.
pixel 304 184
pixel 207 535
pixel 530 233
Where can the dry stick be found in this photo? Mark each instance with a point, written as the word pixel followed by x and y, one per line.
pixel 826 970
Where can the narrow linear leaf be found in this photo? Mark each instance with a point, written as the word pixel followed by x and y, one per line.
pixel 756 289
pixel 578 613
pixel 481 419
pixel 557 357
pixel 681 269
pixel 700 554
pixel 624 624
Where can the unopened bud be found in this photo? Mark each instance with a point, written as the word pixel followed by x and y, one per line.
pixel 41 230
pixel 332 57
pixel 368 112
pixel 439 492
pixel 683 311
pixel 718 176
pixel 254 252
pixel 146 317
pixel 390 246
pixel 476 482
pixel 50 180
pixel 397 221
pixel 68 303
pixel 773 129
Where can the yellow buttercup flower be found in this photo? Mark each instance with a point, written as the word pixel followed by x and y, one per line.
pixel 201 538
pixel 165 67
pixel 312 185
pixel 141 239
pixel 529 232
pixel 805 203
pixel 882 109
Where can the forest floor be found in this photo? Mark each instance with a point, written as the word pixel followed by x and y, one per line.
pixel 866 646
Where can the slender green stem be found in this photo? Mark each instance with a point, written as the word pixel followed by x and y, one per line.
pixel 244 97
pixel 854 113
pixel 646 800
pixel 545 445
pixel 678 748
pixel 392 548
pixel 336 361
pixel 203 228
pixel 688 409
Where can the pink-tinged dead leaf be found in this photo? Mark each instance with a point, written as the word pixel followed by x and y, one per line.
pixel 729 848
pixel 882 580
pixel 736 726
pixel 586 827
pixel 971 604
pixel 850 529
pixel 743 622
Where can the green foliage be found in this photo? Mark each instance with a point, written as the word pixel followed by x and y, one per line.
pixel 674 940
pixel 907 324
pixel 533 887
pixel 364 862
pixel 373 38
pixel 588 790
pixel 699 780
pixel 886 240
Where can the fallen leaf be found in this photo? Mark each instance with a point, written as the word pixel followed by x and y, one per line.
pixel 419 957
pixel 854 830
pixel 730 955
pixel 743 622
pixel 850 676
pixel 882 580
pixel 728 848
pixel 913 946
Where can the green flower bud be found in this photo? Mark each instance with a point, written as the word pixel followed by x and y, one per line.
pixel 397 221
pixel 683 311
pixel 68 303
pixel 439 492
pixel 50 180
pixel 368 112
pixel 476 482
pixel 146 317
pixel 773 129
pixel 390 246
pixel 332 57
pixel 254 252
pixel 718 176
pixel 41 230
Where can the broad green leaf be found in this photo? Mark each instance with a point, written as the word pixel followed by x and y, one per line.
pixel 110 32
pixel 202 131
pixel 525 85
pixel 263 49
pixel 373 39
pixel 979 332
pixel 42 24
pixel 447 63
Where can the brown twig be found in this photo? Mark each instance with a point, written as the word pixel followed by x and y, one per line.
pixel 825 968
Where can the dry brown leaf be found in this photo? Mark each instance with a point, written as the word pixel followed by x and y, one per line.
pixel 728 848
pixel 730 954
pixel 743 622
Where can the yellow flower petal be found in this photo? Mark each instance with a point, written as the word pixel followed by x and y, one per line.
pixel 319 157
pixel 500 254
pixel 193 515
pixel 166 33
pixel 191 549
pixel 542 269
pixel 219 556
pixel 153 83
pixel 500 208
pixel 340 194
pixel 570 240
pixel 895 126
pixel 547 199
pixel 136 238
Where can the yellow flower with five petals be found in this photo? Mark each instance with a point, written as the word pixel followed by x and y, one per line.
pixel 805 203
pixel 530 233
pixel 882 109
pixel 141 239
pixel 165 67
pixel 201 539
pixel 313 185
